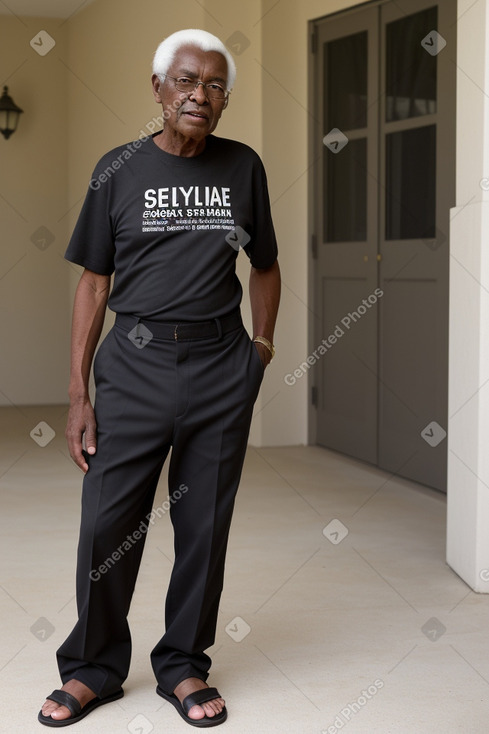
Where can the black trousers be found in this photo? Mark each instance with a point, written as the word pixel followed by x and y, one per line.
pixel 195 395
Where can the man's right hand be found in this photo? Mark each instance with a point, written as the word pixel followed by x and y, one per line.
pixel 88 318
pixel 81 422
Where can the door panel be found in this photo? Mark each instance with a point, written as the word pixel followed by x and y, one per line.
pixel 385 84
pixel 410 189
pixel 417 185
pixel 346 266
pixel 348 368
pixel 345 191
pixel 410 72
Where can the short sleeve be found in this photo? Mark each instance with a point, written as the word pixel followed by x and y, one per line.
pixel 92 242
pixel 262 248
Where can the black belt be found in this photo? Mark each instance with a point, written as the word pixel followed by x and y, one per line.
pixel 184 331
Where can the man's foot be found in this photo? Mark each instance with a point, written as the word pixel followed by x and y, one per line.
pixel 209 708
pixel 80 691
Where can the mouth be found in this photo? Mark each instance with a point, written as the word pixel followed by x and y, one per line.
pixel 195 115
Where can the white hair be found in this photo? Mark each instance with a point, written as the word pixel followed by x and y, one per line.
pixel 165 53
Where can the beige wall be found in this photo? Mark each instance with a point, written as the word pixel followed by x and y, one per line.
pixel 33 167
pixel 103 99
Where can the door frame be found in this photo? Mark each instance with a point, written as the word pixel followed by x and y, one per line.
pixel 313 132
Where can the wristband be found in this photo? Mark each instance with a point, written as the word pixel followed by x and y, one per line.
pixel 266 343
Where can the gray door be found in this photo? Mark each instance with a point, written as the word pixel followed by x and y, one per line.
pixel 384 140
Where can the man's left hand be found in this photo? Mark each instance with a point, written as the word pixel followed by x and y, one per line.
pixel 263 353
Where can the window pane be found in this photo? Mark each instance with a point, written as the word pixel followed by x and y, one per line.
pixel 345 76
pixel 410 177
pixel 345 192
pixel 411 70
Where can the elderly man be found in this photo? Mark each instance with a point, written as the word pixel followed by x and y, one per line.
pixel 166 215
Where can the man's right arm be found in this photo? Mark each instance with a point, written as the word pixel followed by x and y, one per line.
pixel 88 318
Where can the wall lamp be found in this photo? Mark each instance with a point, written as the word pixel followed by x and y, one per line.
pixel 9 114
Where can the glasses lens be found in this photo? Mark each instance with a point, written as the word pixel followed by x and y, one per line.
pixel 213 91
pixel 185 85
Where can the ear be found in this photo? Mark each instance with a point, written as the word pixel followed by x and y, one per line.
pixel 225 103
pixel 157 91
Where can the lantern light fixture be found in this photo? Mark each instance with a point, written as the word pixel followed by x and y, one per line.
pixel 9 114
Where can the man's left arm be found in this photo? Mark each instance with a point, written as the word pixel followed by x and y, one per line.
pixel 264 298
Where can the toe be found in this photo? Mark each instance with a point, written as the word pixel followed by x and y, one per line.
pixel 196 712
pixel 61 713
pixel 213 707
pixel 209 710
pixel 55 711
pixel 48 707
pixel 80 691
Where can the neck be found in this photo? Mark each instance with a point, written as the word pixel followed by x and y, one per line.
pixel 177 144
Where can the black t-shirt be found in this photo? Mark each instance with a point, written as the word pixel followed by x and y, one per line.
pixel 170 228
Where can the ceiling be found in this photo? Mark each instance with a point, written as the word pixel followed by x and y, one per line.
pixel 43 8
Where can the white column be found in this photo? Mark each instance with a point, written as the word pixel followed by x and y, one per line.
pixel 468 434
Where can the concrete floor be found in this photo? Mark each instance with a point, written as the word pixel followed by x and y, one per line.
pixel 339 612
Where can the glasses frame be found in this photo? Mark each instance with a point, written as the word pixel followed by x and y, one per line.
pixel 227 92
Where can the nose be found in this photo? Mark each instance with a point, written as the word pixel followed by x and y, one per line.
pixel 199 94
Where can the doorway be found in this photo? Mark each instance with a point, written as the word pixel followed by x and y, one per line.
pixel 382 188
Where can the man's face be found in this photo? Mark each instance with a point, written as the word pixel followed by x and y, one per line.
pixel 195 115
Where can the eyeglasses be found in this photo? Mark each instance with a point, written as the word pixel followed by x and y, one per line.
pixel 212 90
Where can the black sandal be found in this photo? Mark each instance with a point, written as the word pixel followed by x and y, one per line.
pixel 77 712
pixel 195 699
